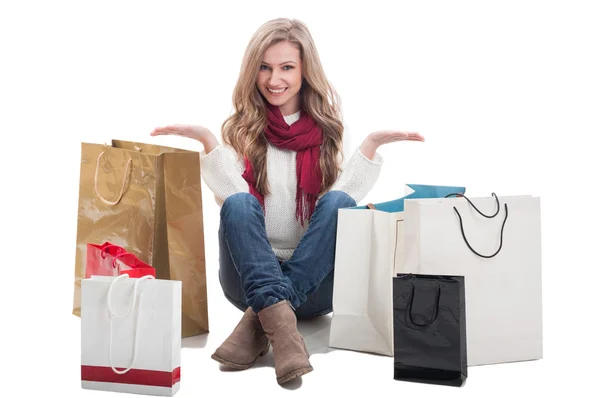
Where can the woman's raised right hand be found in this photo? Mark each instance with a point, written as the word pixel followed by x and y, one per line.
pixel 198 133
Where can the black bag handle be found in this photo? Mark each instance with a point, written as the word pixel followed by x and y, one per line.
pixel 475 207
pixel 436 303
pixel 462 231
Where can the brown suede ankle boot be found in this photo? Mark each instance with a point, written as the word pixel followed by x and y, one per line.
pixel 244 345
pixel 289 350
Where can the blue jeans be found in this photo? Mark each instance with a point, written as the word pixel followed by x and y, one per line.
pixel 250 273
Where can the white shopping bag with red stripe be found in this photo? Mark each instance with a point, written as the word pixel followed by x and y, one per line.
pixel 131 334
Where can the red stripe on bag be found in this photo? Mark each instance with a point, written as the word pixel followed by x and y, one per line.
pixel 155 378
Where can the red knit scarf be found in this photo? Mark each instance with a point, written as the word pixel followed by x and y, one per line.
pixel 305 137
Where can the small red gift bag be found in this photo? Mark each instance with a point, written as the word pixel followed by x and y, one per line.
pixel 112 260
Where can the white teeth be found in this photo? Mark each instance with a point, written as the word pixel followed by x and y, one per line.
pixel 277 91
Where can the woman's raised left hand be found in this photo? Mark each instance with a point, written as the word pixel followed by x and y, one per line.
pixel 378 138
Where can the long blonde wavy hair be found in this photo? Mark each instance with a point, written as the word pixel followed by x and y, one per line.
pixel 244 129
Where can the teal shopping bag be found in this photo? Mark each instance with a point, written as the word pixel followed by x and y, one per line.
pixel 418 192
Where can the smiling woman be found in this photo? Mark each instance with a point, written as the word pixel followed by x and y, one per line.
pixel 280 77
pixel 278 178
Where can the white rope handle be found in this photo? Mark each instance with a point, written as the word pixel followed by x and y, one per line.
pixel 112 314
pixel 108 202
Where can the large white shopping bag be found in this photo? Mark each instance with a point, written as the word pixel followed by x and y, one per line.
pixel 495 243
pixel 368 255
pixel 131 335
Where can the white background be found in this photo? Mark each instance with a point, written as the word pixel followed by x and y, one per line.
pixel 505 93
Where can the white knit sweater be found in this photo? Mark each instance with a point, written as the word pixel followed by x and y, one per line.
pixel 222 172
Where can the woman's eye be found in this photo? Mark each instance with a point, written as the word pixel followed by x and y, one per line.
pixel 285 67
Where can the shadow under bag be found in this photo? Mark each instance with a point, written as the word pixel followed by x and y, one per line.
pixel 430 341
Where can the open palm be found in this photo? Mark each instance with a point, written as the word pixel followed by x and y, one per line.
pixel 196 132
pixel 388 136
pixel 183 130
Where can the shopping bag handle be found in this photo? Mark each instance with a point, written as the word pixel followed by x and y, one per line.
pixel 475 207
pixel 436 305
pixel 127 169
pixel 120 255
pixel 135 286
pixel 106 248
pixel 112 314
pixel 462 231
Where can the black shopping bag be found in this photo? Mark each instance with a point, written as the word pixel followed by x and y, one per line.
pixel 430 340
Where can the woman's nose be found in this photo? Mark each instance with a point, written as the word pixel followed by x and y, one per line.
pixel 274 79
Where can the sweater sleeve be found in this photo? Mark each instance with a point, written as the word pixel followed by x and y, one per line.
pixel 222 172
pixel 359 175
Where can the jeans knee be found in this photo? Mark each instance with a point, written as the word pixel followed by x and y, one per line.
pixel 337 200
pixel 239 207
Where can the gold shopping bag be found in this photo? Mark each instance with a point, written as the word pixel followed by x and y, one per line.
pixel 148 200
